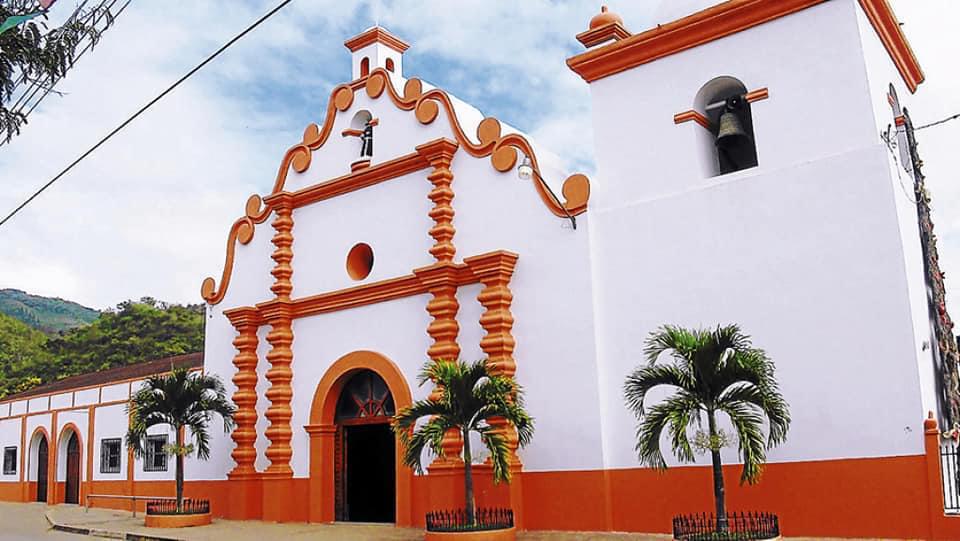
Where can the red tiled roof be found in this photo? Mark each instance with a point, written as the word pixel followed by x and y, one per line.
pixel 120 373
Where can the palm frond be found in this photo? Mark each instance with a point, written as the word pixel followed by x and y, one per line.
pixel 748 424
pixel 641 380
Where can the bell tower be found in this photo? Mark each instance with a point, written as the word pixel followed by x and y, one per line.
pixel 375 48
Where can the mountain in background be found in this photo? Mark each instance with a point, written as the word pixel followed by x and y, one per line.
pixel 50 315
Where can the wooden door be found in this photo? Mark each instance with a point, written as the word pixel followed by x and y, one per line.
pixel 42 453
pixel 73 469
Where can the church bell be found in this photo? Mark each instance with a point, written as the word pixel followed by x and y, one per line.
pixel 730 132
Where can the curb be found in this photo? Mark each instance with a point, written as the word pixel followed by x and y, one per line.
pixel 127 536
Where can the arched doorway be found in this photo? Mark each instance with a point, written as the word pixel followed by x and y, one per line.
pixel 73 469
pixel 326 434
pixel 365 469
pixel 43 453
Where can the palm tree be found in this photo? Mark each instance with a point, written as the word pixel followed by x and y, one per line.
pixel 470 398
pixel 713 372
pixel 181 400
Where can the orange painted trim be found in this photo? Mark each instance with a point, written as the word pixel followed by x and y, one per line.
pixel 74 408
pixel 900 120
pixel 91 419
pixel 322 431
pixel 177 521
pixel 691 115
pixel 888 29
pixel 607 32
pixel 729 18
pixel 502 150
pixel 376 35
pixel 244 434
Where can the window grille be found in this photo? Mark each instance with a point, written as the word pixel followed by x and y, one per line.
pixel 110 455
pixel 156 458
pixel 9 460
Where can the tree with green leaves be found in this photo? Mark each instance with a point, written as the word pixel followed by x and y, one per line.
pixel 180 400
pixel 470 397
pixel 33 53
pixel 713 372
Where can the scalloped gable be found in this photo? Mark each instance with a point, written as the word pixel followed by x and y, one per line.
pixel 502 149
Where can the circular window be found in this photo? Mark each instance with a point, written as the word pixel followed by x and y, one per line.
pixel 360 261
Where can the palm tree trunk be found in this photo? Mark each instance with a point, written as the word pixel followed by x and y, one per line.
pixel 179 470
pixel 718 490
pixel 468 477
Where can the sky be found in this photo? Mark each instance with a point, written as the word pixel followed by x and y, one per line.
pixel 148 213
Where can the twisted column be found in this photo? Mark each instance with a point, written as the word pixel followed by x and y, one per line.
pixel 246 322
pixel 279 316
pixel 439 154
pixel 495 272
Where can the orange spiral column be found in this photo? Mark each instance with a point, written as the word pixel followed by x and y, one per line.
pixel 278 314
pixel 441 278
pixel 246 321
pixel 495 271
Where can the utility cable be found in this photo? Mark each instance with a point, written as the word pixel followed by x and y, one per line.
pixel 169 89
pixel 930 125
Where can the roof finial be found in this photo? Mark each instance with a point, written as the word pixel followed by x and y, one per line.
pixel 605 17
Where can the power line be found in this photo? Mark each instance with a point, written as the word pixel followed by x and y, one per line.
pixel 145 107
pixel 948 119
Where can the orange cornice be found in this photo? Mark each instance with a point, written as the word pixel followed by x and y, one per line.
pixel 502 150
pixel 723 20
pixel 884 21
pixel 376 35
pixel 418 283
pixel 609 31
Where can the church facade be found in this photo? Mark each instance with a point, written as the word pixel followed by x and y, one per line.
pixel 745 173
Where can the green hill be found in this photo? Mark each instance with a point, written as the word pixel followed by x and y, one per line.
pixel 22 351
pixel 50 315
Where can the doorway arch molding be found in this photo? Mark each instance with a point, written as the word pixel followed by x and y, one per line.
pixel 63 441
pixel 32 486
pixel 322 430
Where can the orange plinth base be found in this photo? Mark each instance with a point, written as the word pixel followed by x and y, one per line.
pixel 177 521
pixel 509 534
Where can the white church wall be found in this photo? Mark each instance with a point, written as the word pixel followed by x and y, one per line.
pixel 391 217
pixel 551 306
pixel 642 154
pixel 61 401
pixel 86 397
pixel 881 73
pixel 109 422
pixel 768 253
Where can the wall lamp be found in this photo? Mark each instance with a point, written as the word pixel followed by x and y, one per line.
pixel 526 170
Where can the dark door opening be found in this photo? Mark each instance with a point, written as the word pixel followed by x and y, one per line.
pixel 370 473
pixel 73 469
pixel 42 453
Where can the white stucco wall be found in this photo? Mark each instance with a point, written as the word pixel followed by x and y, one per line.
pixel 10 437
pixel 109 422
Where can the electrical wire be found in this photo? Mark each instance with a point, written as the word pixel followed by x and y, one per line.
pixel 932 124
pixel 149 104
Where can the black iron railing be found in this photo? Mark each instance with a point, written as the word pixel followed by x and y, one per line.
pixel 169 507
pixel 740 526
pixel 456 520
pixel 950 471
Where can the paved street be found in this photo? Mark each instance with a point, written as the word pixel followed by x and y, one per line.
pixel 26 521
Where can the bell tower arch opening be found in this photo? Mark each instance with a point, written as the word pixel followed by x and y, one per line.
pixel 730 145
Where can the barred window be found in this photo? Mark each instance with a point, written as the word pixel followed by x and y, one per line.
pixel 156 458
pixel 110 455
pixel 9 460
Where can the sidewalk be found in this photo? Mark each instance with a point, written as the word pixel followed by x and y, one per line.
pixel 106 523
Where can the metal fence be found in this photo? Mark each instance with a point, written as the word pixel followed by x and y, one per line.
pixel 740 526
pixel 950 473
pixel 166 507
pixel 456 520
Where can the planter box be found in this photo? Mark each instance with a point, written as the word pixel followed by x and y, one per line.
pixel 507 534
pixel 177 521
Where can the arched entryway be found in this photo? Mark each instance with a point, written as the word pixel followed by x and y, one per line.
pixel 68 466
pixel 72 489
pixel 40 449
pixel 365 462
pixel 348 429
